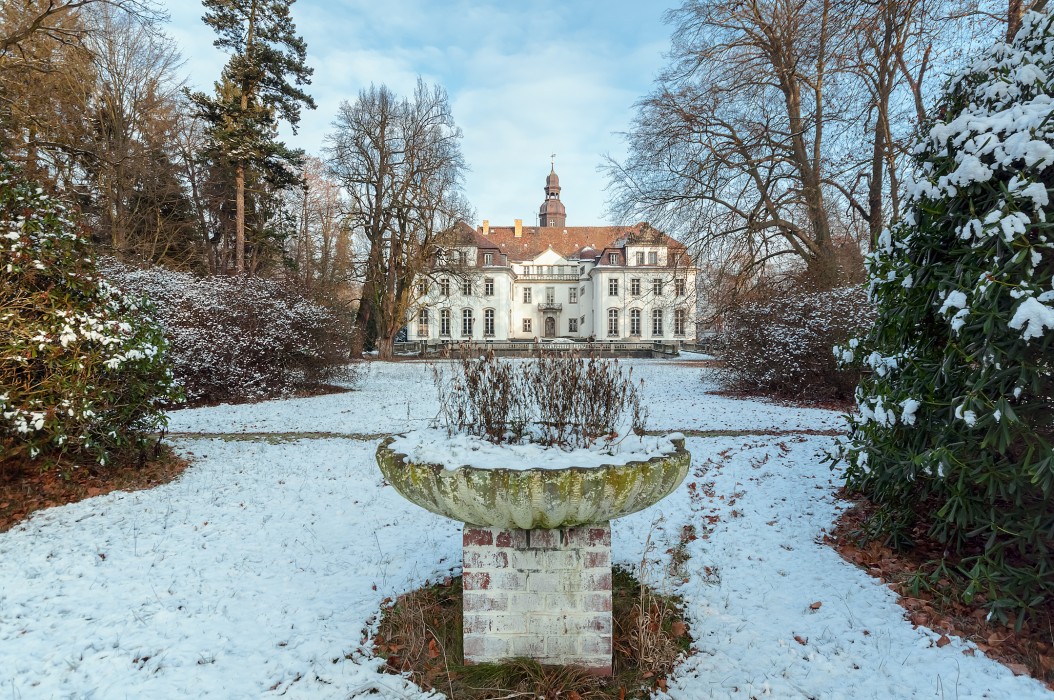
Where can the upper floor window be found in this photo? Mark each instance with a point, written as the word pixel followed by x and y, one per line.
pixel 466 288
pixel 656 286
pixel 613 286
pixel 444 287
pixel 572 295
pixel 488 258
pixel 612 323
pixel 634 286
pixel 640 257
pixel 462 258
pixel 550 295
pixel 613 258
pixel 488 286
pixel 422 288
pixel 526 295
pixel 653 258
pixel 679 286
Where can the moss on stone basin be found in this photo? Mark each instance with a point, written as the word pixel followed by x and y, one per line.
pixel 535 498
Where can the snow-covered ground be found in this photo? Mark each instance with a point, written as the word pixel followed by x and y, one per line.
pixel 399 396
pixel 257 573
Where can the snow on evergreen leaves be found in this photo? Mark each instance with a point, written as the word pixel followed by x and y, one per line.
pixel 954 418
pixel 82 366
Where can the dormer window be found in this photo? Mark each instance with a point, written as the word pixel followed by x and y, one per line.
pixel 640 257
pixel 613 258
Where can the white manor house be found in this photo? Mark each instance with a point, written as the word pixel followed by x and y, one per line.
pixel 625 283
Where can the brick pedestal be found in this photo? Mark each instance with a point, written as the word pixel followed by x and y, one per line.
pixel 542 594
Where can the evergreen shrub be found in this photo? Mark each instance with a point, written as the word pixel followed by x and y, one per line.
pixel 954 424
pixel 782 346
pixel 83 367
pixel 240 338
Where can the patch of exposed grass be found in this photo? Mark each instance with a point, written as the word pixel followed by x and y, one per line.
pixel 421 634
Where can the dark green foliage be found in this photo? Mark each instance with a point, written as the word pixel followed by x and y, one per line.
pixel 955 419
pixel 82 367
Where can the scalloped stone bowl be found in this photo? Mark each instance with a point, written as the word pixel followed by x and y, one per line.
pixel 535 498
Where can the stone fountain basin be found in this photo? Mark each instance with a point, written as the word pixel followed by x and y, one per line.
pixel 535 498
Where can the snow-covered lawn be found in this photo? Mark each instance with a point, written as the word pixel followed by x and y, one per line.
pixel 256 573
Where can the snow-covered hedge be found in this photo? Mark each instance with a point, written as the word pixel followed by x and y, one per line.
pixel 82 367
pixel 239 338
pixel 782 346
pixel 956 418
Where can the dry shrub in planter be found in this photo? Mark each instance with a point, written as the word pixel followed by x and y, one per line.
pixel 559 400
pixel 784 346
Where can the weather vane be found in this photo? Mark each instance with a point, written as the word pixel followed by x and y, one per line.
pixel 552 160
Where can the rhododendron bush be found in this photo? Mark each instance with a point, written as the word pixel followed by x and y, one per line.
pixel 782 346
pixel 955 419
pixel 239 338
pixel 82 366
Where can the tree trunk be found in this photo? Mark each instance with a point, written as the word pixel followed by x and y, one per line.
pixel 239 219
pixel 362 322
pixel 386 346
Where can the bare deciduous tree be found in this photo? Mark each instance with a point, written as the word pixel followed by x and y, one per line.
pixel 730 150
pixel 399 159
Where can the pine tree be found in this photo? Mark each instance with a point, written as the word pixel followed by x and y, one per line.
pixel 955 421
pixel 254 93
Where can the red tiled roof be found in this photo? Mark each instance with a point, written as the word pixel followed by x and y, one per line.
pixel 568 241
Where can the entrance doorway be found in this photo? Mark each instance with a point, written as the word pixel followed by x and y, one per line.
pixel 550 327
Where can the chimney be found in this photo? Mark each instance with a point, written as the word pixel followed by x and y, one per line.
pixel 519 228
pixel 486 227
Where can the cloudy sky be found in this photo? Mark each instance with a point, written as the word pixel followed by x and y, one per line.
pixel 526 79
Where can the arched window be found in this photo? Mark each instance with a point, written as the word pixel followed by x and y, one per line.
pixel 634 322
pixel 422 323
pixel 680 316
pixel 466 323
pixel 612 323
pixel 656 323
pixel 488 323
pixel 444 322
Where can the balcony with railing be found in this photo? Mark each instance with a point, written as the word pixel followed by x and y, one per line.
pixel 561 273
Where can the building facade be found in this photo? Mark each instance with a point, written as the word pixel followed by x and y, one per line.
pixel 626 283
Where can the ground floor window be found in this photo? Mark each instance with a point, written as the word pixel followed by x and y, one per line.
pixel 656 322
pixel 572 325
pixel 612 323
pixel 466 323
pixel 422 323
pixel 680 316
pixel 444 322
pixel 488 322
pixel 526 325
pixel 634 322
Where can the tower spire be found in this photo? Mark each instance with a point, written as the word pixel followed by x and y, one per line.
pixel 552 212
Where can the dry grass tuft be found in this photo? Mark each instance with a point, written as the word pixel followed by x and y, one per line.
pixel 420 634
